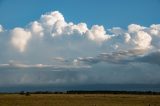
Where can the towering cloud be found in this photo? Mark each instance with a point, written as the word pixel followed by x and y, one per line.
pixel 142 40
pixel 20 38
pixel 51 43
pixel 37 29
pixel 53 26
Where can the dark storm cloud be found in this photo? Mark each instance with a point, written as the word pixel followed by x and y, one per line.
pixel 120 57
pixel 152 58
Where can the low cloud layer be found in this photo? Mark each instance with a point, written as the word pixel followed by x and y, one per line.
pixel 51 43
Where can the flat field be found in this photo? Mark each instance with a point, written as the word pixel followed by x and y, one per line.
pixel 79 100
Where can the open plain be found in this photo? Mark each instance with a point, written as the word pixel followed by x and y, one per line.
pixel 79 100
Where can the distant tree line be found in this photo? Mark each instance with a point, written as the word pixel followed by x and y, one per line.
pixel 91 92
pixel 114 92
pixel 24 93
pixel 27 93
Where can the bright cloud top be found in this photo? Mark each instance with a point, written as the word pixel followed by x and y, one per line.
pixel 54 25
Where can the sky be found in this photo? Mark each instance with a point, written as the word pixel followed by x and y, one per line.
pixel 71 42
pixel 109 13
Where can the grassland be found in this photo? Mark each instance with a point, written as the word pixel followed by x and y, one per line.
pixel 79 100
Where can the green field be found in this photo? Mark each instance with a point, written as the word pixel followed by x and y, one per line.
pixel 79 100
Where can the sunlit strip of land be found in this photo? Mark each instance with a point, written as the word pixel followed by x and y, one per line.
pixel 79 100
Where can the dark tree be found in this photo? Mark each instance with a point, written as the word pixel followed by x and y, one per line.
pixel 28 94
pixel 22 93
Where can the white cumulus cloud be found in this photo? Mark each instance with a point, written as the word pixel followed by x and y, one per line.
pixel 52 43
pixel 1 28
pixel 20 38
pixel 142 40
pixel 97 33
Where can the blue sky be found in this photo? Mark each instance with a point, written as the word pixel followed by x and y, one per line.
pixel 109 13
pixel 79 42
